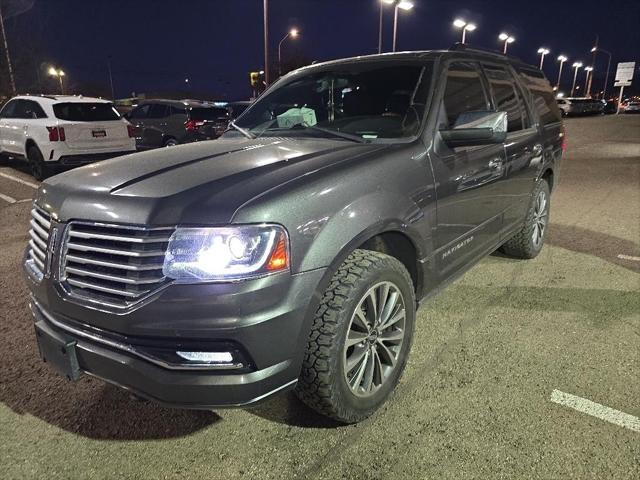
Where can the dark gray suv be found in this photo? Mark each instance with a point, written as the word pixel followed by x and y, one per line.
pixel 166 123
pixel 294 250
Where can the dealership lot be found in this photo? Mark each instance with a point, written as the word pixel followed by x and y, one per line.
pixel 477 399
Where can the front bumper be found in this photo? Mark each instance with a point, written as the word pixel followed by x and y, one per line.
pixel 268 346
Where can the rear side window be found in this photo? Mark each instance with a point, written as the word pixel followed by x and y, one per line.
pixel 85 112
pixel 178 111
pixel 464 92
pixel 29 109
pixel 507 99
pixel 140 112
pixel 207 113
pixel 158 110
pixel 542 96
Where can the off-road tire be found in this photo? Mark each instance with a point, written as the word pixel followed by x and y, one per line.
pixel 322 385
pixel 521 245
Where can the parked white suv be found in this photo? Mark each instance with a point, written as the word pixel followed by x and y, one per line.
pixel 53 131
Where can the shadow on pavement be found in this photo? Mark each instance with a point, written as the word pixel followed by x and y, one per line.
pixel 601 245
pixel 287 409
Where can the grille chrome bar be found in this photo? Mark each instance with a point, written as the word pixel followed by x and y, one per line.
pixel 40 224
pixel 113 265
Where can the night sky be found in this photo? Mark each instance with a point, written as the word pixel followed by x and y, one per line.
pixel 154 45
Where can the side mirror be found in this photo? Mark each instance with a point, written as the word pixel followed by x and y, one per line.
pixel 477 128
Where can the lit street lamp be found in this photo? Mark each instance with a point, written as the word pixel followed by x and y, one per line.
pixel 542 51
pixel 57 73
pixel 293 33
pixel 575 66
pixel 606 80
pixel 507 39
pixel 459 23
pixel 561 59
pixel 399 5
pixel 586 79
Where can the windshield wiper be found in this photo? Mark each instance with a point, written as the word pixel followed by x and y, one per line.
pixel 337 133
pixel 243 131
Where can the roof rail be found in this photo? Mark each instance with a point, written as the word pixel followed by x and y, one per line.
pixel 465 48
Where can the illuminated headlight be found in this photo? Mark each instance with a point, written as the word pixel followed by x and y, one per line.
pixel 226 253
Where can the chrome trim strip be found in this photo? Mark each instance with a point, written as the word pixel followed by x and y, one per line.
pixel 123 266
pixel 114 278
pixel 118 238
pixel 100 288
pixel 37 310
pixel 114 251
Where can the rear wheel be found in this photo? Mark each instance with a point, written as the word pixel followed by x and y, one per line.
pixel 528 242
pixel 39 168
pixel 360 338
pixel 170 142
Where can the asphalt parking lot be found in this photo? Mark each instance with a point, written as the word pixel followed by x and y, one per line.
pixel 475 401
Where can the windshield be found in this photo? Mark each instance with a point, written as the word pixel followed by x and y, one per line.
pixel 361 101
pixel 86 112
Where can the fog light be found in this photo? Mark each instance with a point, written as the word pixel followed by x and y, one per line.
pixel 206 357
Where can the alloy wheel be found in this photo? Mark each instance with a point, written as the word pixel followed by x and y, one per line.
pixel 374 339
pixel 540 214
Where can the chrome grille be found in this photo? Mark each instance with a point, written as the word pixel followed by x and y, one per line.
pixel 39 241
pixel 115 265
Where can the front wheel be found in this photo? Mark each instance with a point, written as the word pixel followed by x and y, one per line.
pixel 528 242
pixel 360 338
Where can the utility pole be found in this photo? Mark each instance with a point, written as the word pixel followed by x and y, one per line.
pixel 593 63
pixel 6 49
pixel 113 95
pixel 266 42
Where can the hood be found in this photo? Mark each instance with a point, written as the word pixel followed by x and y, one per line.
pixel 199 183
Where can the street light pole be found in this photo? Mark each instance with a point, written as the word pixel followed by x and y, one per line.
pixel 395 27
pixel 380 28
pixel 561 59
pixel 576 66
pixel 266 41
pixel 459 23
pixel 12 80
pixel 399 5
pixel 291 33
pixel 587 78
pixel 507 39
pixel 113 95
pixel 542 51
pixel 606 79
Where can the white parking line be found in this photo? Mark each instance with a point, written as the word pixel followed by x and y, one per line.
pixel 629 257
pixel 7 198
pixel 19 180
pixel 596 410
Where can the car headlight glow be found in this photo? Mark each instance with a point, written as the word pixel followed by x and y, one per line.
pixel 226 253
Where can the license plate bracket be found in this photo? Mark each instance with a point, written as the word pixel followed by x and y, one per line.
pixel 58 351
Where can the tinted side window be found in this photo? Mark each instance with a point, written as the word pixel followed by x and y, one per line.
pixel 140 112
pixel 507 99
pixel 34 110
pixel 464 92
pixel 542 96
pixel 158 110
pixel 178 111
pixel 8 110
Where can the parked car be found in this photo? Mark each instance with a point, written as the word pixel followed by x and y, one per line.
pixel 610 106
pixel 237 108
pixel 580 106
pixel 294 250
pixel 632 107
pixel 51 131
pixel 166 123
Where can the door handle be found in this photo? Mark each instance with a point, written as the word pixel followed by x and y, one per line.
pixel 496 164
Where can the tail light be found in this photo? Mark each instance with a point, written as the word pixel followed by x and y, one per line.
pixel 56 134
pixel 563 137
pixel 131 130
pixel 192 125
